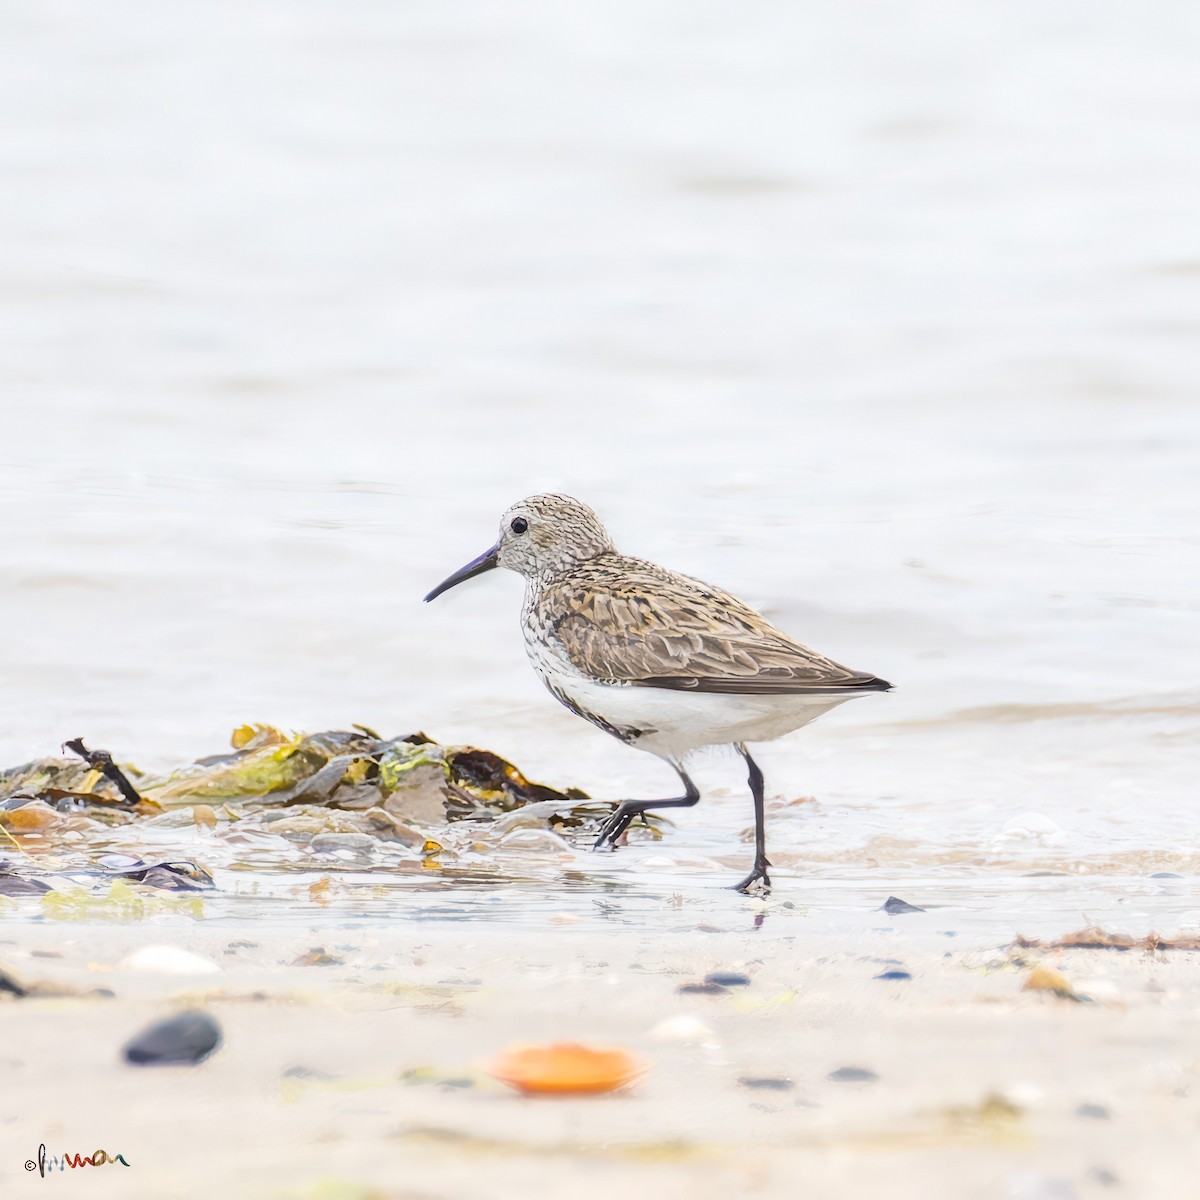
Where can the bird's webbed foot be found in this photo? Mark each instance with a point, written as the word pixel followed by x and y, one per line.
pixel 617 823
pixel 758 881
pixel 627 810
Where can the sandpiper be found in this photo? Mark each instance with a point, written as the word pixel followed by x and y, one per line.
pixel 663 662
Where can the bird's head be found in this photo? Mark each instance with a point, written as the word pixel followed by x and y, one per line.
pixel 541 537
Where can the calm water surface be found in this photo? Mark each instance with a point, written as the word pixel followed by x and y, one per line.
pixel 889 326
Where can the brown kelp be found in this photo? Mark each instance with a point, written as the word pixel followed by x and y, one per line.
pixel 277 799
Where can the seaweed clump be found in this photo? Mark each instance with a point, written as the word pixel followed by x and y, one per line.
pixel 411 777
pixel 280 801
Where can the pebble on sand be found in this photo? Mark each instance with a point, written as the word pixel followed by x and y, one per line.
pixel 1046 979
pixel 10 985
pixel 852 1075
pixel 767 1083
pixel 727 979
pixel 682 1029
pixel 318 956
pixel 187 1038
pixel 168 960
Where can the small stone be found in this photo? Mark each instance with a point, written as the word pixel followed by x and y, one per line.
pixel 767 1083
pixel 727 979
pixel 317 957
pixel 173 877
pixel 1046 979
pixel 1166 875
pixel 852 1075
pixel 894 975
pixel 168 960
pixel 701 989
pixel 894 905
pixel 188 1038
pixel 11 986
pixel 1096 1111
pixel 1103 1176
pixel 1021 1094
pixel 19 885
pixel 681 1029
pixel 307 1073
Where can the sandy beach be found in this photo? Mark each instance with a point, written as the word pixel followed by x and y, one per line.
pixel 361 1076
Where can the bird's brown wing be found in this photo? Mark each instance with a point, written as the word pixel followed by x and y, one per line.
pixel 626 621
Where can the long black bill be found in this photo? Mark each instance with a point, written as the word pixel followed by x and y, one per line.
pixel 485 562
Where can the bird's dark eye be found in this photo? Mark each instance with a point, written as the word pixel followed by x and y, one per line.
pixel 519 525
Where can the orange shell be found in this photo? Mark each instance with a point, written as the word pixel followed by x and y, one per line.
pixel 565 1067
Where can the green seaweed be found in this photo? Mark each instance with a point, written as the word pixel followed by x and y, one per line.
pixel 121 902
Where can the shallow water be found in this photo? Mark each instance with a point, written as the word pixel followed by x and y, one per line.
pixel 893 335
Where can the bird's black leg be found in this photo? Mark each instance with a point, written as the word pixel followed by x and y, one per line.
pixel 628 809
pixel 759 874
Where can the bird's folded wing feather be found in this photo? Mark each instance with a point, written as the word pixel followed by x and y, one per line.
pixel 638 623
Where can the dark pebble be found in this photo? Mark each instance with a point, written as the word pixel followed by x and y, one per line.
pixel 456 1083
pixel 701 989
pixel 1103 1176
pixel 9 986
pixel 852 1075
pixel 1096 1111
pixel 894 975
pixel 767 1083
pixel 318 957
pixel 893 905
pixel 307 1073
pixel 188 1038
pixel 172 877
pixel 727 979
pixel 18 885
pixel 1166 875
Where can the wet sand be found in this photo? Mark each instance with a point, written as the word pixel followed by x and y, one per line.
pixel 362 1076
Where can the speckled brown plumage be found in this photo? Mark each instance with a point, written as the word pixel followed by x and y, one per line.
pixel 624 620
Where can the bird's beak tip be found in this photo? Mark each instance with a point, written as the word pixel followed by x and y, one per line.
pixel 485 562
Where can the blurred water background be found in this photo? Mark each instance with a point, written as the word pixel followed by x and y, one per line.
pixel 883 318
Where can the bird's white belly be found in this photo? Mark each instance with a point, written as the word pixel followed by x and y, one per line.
pixel 670 723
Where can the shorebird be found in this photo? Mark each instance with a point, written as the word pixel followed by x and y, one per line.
pixel 660 661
